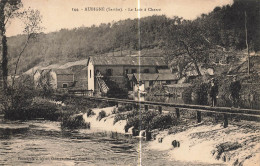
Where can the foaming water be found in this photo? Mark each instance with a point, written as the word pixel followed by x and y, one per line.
pixel 46 144
pixel 107 123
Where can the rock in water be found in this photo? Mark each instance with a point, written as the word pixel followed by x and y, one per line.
pixel 160 140
pixel 175 144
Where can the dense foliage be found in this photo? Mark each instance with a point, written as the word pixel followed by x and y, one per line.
pixel 74 122
pixel 147 120
pixel 224 26
pixel 102 114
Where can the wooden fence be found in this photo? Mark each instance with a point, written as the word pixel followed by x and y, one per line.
pixel 226 111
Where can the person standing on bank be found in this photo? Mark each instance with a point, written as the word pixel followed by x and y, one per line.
pixel 235 88
pixel 213 92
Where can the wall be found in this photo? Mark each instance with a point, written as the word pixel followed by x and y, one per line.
pixel 81 79
pixel 65 79
pixel 91 80
pixel 119 73
pixel 53 80
pixel 138 87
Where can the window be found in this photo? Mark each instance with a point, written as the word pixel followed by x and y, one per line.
pixel 89 73
pixel 168 82
pixel 64 85
pixel 146 70
pixel 133 71
pixel 126 71
pixel 109 72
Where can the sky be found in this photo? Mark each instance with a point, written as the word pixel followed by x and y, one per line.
pixel 58 14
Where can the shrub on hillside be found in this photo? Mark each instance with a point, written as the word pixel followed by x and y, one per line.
pixel 101 115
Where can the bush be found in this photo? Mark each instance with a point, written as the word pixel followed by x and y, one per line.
pixel 119 117
pixel 101 115
pixel 40 108
pixel 201 91
pixel 77 102
pixel 186 95
pixel 103 104
pixel 90 112
pixel 163 121
pixel 74 122
pixel 124 108
pixel 16 97
pixel 140 121
pixel 132 122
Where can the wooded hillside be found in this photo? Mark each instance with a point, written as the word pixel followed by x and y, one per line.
pixel 224 26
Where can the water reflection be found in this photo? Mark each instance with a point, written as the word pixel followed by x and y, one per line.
pixel 44 144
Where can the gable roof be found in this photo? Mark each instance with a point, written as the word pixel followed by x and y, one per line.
pixel 57 71
pixel 164 71
pixel 128 60
pixel 63 71
pixel 155 76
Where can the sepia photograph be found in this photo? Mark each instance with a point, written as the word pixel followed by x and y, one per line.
pixel 130 82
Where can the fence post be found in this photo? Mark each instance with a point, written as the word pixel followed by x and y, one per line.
pixel 177 112
pixel 136 106
pixel 146 107
pixel 160 109
pixel 198 116
pixel 225 120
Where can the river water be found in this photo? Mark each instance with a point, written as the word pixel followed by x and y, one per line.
pixel 46 144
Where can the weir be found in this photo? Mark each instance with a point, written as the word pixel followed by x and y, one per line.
pixel 250 114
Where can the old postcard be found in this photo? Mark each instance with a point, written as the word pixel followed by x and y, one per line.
pixel 130 82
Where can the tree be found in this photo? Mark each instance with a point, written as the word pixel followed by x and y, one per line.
pixel 7 9
pixel 186 38
pixel 31 20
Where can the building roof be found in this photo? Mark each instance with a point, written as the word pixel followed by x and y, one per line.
pixel 164 71
pixel 155 76
pixel 57 71
pixel 128 60
pixel 184 85
pixel 63 71
pixel 130 76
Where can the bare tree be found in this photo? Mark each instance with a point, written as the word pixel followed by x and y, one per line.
pixel 32 20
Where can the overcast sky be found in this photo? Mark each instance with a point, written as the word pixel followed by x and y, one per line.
pixel 58 14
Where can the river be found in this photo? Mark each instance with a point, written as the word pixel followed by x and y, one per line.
pixel 46 144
